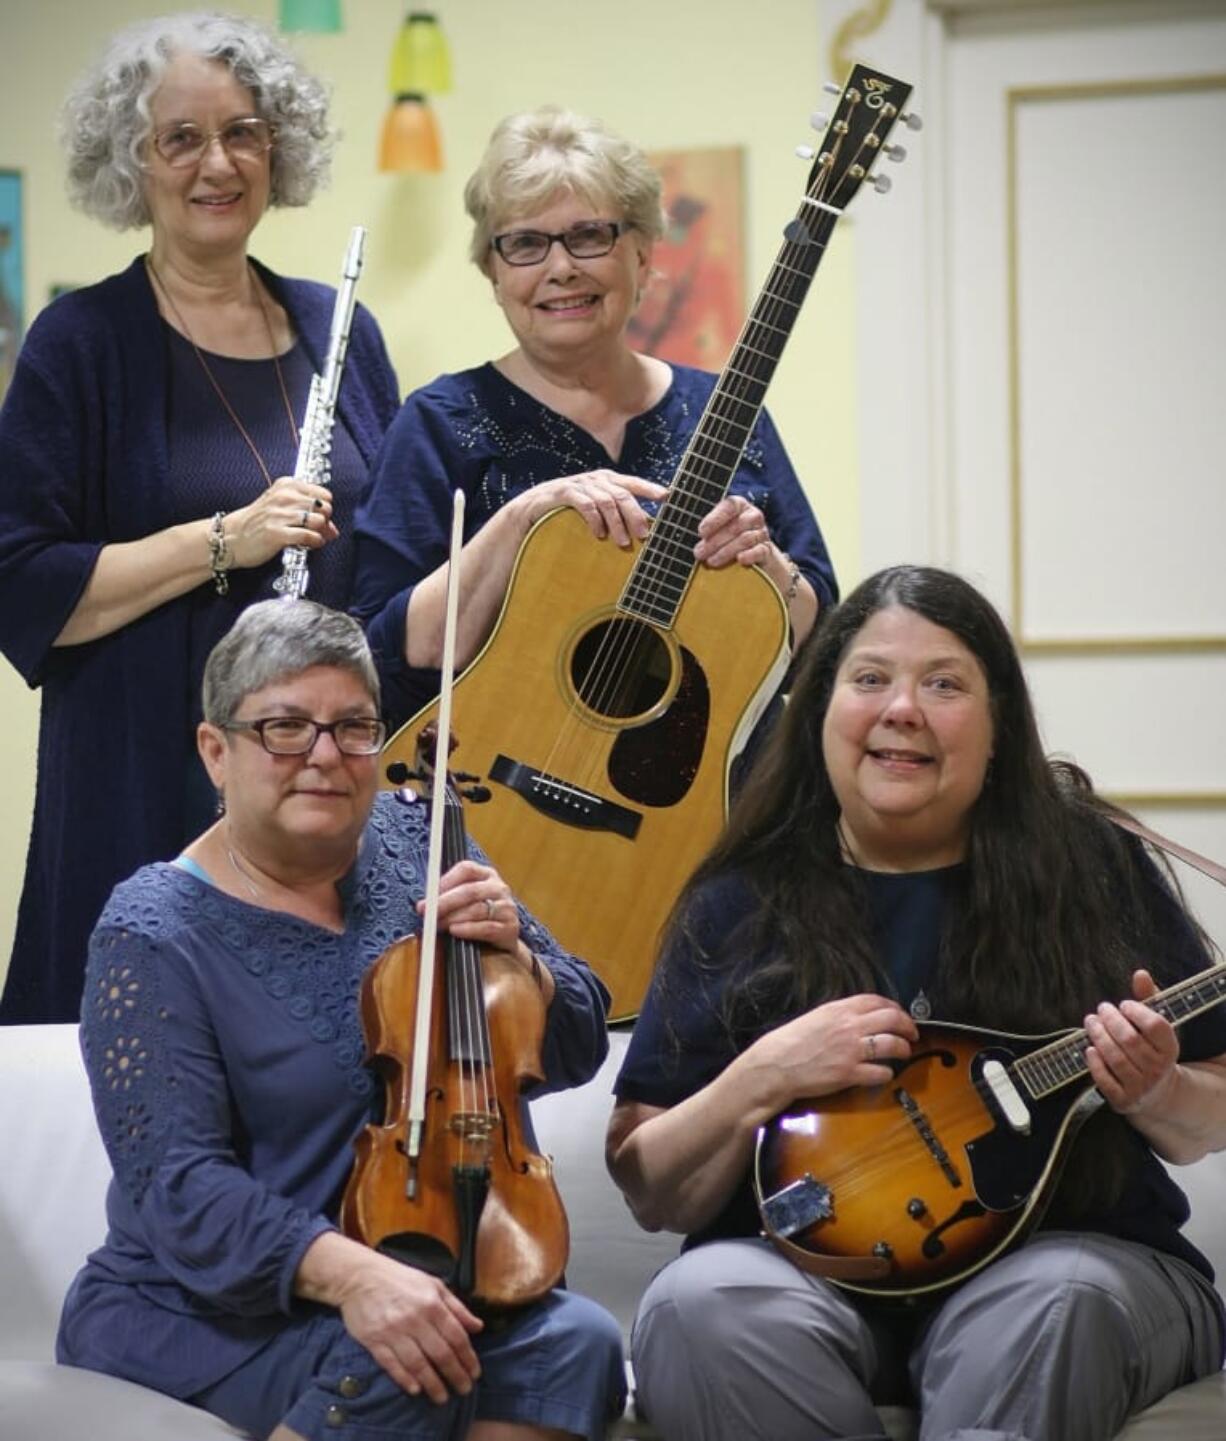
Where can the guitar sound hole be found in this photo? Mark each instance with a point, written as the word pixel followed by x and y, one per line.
pixel 621 668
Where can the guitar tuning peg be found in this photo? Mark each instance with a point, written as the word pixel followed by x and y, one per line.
pixel 818 121
pixel 896 153
pixel 912 121
pixel 882 184
pixel 831 88
pixel 805 152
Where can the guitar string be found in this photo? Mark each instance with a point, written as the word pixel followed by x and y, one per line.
pixel 613 665
pixel 733 392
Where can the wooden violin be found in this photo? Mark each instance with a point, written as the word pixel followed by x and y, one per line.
pixel 448 1182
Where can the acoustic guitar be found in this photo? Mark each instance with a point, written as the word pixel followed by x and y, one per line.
pixel 912 1186
pixel 617 686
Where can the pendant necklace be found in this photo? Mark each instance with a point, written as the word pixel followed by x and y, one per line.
pixel 212 379
pixel 242 873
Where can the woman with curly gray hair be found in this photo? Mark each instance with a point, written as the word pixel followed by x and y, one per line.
pixel 149 439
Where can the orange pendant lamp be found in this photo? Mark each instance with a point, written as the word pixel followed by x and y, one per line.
pixel 420 67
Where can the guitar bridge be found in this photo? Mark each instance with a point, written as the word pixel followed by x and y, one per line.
pixel 797 1207
pixel 563 802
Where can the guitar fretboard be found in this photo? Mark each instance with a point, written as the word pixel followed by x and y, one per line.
pixel 659 578
pixel 1063 1061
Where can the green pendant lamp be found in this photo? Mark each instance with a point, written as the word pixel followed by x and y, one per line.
pixel 319 16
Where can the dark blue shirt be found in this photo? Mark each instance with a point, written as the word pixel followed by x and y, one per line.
pixel 681 1042
pixel 478 432
pixel 225 1054
pixel 85 461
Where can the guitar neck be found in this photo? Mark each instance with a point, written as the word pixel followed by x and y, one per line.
pixel 1063 1061
pixel 868 108
pixel 658 580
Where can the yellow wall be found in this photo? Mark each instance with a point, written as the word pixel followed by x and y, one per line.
pixel 666 73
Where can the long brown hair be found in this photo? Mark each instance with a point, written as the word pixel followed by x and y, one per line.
pixel 1052 914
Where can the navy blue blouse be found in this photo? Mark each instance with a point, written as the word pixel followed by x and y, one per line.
pixel 479 432
pixel 85 461
pixel 225 1054
pixel 681 1042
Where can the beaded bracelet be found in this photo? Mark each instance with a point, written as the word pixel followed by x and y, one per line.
pixel 789 595
pixel 221 558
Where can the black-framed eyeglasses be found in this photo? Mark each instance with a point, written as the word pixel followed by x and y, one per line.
pixel 184 143
pixel 293 735
pixel 585 241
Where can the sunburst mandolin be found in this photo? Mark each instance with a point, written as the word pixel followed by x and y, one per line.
pixel 912 1186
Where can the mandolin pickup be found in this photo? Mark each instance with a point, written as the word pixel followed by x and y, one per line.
pixel 797 1207
pixel 563 802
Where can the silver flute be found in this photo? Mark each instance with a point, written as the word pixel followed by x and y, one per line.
pixel 314 463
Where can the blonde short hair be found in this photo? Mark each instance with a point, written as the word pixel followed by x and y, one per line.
pixel 533 155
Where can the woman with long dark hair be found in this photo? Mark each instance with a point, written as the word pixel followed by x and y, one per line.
pixel 905 851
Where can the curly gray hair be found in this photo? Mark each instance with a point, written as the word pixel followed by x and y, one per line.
pixel 533 155
pixel 275 640
pixel 105 120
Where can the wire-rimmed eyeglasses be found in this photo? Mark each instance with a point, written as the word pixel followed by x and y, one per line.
pixel 293 735
pixel 184 143
pixel 586 241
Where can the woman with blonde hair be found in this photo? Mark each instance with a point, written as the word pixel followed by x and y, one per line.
pixel 565 214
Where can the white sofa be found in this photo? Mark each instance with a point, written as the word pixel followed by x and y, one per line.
pixel 53 1175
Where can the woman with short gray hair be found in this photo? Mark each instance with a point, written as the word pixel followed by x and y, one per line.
pixel 231 977
pixel 149 440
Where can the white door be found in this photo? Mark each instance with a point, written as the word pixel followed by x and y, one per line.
pixel 1053 287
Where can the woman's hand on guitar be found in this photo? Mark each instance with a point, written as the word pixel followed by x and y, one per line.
pixel 606 501
pixel 1133 1051
pixel 413 1326
pixel 476 904
pixel 733 531
pixel 843 1043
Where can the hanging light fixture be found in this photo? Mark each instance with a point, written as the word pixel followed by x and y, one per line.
pixel 410 139
pixel 421 61
pixel 321 16
pixel 420 67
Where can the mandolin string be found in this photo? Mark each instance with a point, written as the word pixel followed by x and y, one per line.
pixel 1035 1071
pixel 613 666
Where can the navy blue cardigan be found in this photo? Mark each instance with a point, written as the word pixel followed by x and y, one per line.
pixel 83 464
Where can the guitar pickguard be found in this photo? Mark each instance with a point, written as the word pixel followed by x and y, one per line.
pixel 655 764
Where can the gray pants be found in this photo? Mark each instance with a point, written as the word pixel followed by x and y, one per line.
pixel 1061 1340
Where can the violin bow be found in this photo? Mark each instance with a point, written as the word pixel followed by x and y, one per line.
pixel 434 855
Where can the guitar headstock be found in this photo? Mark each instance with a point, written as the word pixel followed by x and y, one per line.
pixel 868 108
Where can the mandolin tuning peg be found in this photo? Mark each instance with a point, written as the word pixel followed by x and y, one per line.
pixel 805 152
pixel 882 184
pixel 896 153
pixel 831 88
pixel 818 121
pixel 912 121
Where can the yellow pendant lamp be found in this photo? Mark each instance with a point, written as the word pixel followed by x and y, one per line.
pixel 420 66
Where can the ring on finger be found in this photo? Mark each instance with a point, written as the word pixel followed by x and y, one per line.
pixel 491 906
pixel 870 1046
pixel 302 524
